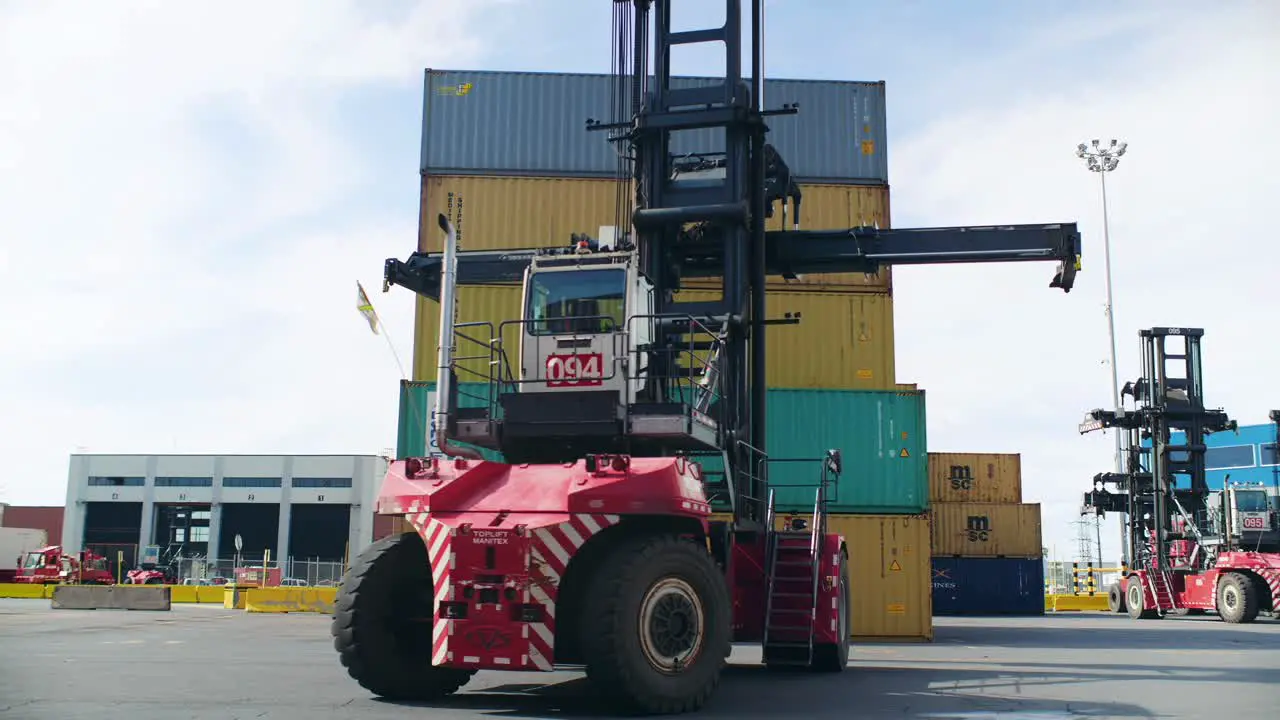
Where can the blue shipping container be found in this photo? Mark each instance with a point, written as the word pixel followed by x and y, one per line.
pixel 880 435
pixel 988 586
pixel 534 124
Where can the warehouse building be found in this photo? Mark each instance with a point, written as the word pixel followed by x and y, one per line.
pixel 1247 455
pixel 308 512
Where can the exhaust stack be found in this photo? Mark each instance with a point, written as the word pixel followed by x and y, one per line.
pixel 444 369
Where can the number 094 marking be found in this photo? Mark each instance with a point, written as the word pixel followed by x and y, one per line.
pixel 580 370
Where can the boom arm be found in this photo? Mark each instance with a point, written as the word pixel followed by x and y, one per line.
pixel 791 252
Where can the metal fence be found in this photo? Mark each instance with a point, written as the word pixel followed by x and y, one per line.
pixel 309 571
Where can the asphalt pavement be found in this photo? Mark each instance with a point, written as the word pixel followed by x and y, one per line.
pixel 200 661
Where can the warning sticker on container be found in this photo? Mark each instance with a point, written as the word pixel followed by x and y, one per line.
pixel 904 453
pixel 895 567
pixel 864 374
pixel 896 609
pixel 868 147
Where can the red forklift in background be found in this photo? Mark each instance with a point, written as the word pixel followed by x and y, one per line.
pixel 1185 554
pixel 50 566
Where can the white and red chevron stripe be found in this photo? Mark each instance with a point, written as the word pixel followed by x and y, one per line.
pixel 552 548
pixel 1273 581
pixel 438 538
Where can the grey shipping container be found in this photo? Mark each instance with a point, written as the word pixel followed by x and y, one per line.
pixel 534 124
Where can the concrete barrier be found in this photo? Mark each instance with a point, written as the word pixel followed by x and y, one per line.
pixel 21 590
pixel 1078 603
pixel 285 600
pixel 210 594
pixel 184 594
pixel 112 597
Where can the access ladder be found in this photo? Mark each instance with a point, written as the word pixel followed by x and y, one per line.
pixel 792 598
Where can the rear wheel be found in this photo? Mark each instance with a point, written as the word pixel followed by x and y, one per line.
pixel 1116 599
pixel 382 623
pixel 1237 599
pixel 656 631
pixel 835 658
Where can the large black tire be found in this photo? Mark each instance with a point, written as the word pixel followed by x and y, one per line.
pixel 1135 599
pixel 1237 598
pixel 835 658
pixel 382 623
pixel 671 661
pixel 1116 599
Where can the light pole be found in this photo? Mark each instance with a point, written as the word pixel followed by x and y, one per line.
pixel 1102 159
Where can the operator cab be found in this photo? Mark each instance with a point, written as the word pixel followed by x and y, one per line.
pixel 596 371
pixel 1251 522
pixel 1244 519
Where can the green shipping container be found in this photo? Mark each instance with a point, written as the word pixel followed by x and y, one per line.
pixel 881 438
pixel 417 404
pixel 880 435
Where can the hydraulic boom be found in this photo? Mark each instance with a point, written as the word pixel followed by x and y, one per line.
pixel 787 253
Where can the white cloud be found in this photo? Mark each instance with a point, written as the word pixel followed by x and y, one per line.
pixel 1011 365
pixel 162 172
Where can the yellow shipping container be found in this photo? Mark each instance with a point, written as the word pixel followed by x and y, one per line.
pixel 843 340
pixel 519 212
pixel 890 574
pixel 986 530
pixel 975 477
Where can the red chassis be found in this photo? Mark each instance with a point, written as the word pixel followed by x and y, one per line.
pixel 1237 587
pixel 514 551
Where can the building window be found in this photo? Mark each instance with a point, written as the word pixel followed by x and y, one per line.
pixel 184 482
pixel 1228 458
pixel 251 482
pixel 114 481
pixel 200 515
pixel 304 482
pixel 1269 456
pixel 198 534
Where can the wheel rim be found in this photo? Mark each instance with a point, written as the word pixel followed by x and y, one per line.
pixel 1135 596
pixel 1230 598
pixel 671 625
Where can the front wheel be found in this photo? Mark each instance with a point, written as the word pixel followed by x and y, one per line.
pixel 1237 601
pixel 382 623
pixel 1135 600
pixel 656 632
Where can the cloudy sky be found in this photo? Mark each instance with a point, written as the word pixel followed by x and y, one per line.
pixel 188 192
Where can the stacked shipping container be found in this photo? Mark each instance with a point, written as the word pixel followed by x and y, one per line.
pixel 507 158
pixel 987 550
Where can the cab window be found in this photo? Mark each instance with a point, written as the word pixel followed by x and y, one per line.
pixel 1251 501
pixel 578 302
